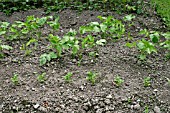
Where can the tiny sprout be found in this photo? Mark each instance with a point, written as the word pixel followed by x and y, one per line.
pixel 41 78
pixel 91 76
pixel 68 76
pixel 14 79
pixel 118 81
pixel 147 81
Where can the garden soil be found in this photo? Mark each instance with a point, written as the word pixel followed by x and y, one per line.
pixel 55 95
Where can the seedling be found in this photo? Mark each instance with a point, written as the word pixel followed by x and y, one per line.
pixel 14 79
pixel 147 82
pixel 88 42
pixel 25 46
pixel 41 78
pixel 129 17
pixel 68 76
pixel 47 57
pixel 54 24
pixel 2 47
pixel 101 42
pixel 145 48
pixel 118 81
pixel 146 110
pixel 91 76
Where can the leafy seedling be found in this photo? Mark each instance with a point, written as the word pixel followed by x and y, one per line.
pixel 147 81
pixel 91 76
pixel 146 110
pixel 101 42
pixel 118 81
pixel 2 47
pixel 14 79
pixel 129 17
pixel 145 48
pixel 68 76
pixel 41 77
pixel 47 57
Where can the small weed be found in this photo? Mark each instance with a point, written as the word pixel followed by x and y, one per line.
pixel 147 81
pixel 146 109
pixel 129 17
pixel 14 79
pixel 118 81
pixel 68 76
pixel 41 77
pixel 91 76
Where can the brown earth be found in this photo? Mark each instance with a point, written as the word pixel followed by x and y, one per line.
pixel 80 96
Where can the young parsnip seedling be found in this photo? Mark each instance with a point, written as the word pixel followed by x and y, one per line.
pixel 118 81
pixel 91 76
pixel 41 77
pixel 147 81
pixel 14 79
pixel 68 76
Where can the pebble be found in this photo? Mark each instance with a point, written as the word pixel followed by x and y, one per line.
pixel 109 96
pixel 36 106
pixel 43 109
pixel 107 101
pixel 157 109
pixel 137 106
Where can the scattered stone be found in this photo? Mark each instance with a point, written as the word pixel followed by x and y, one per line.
pixel 109 96
pixel 81 88
pixel 137 106
pixel 157 109
pixel 43 109
pixel 96 107
pixel 155 90
pixel 99 111
pixel 107 101
pixel 36 106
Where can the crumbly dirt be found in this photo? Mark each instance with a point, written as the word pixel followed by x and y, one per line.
pixel 80 96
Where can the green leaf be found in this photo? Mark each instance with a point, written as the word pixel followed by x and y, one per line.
pixel 6 47
pixel 130 45
pixel 154 37
pixel 101 42
pixel 142 57
pixel 52 55
pixel 75 49
pixel 2 32
pixel 103 27
pixel 141 45
pixel 43 59
pixel 129 17
pixel 31 41
pixel 166 35
pixel 96 29
pixel 94 24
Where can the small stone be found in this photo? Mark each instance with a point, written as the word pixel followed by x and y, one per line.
pixel 36 106
pixel 109 96
pixel 81 88
pixel 155 90
pixel 137 106
pixel 157 109
pixel 107 101
pixel 99 111
pixel 96 107
pixel 43 109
